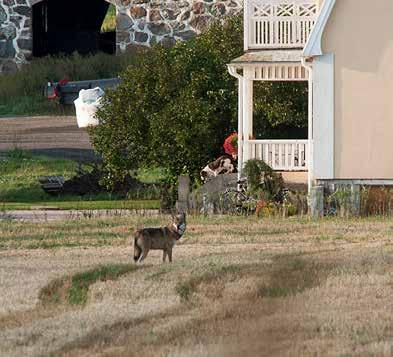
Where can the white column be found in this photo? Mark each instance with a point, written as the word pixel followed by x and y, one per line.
pixel 323 117
pixel 247 110
pixel 240 139
pixel 246 24
pixel 310 129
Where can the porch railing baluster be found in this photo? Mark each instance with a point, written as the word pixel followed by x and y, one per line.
pixel 279 23
pixel 281 155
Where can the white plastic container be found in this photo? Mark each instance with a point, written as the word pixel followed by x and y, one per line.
pixel 86 106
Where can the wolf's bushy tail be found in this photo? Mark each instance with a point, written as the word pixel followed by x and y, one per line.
pixel 137 249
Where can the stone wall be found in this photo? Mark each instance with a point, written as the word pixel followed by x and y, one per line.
pixel 146 22
pixel 15 34
pixel 139 22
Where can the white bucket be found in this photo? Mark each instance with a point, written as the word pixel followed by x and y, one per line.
pixel 86 105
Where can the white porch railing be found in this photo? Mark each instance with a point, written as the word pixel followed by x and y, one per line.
pixel 278 23
pixel 281 155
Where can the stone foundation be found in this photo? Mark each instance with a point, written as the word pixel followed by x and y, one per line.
pixel 139 22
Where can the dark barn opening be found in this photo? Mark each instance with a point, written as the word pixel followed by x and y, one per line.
pixel 63 27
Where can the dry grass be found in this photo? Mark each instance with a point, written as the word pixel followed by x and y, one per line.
pixel 237 286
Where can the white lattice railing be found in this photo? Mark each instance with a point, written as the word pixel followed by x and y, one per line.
pixel 278 23
pixel 281 155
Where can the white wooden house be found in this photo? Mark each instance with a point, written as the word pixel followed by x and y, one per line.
pixel 344 49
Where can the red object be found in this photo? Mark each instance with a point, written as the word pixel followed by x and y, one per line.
pixel 56 90
pixel 230 144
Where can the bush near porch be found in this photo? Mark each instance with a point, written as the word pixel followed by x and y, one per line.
pixel 175 106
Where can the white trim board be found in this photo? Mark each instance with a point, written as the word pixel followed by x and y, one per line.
pixel 323 117
pixel 314 44
pixel 364 182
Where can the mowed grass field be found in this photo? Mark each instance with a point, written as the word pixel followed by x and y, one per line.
pixel 237 286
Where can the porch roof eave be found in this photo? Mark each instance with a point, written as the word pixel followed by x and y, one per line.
pixel 268 56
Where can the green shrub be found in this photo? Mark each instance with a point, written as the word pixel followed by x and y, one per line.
pixel 175 106
pixel 263 181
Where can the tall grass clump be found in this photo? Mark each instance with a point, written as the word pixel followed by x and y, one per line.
pixel 376 201
pixel 23 93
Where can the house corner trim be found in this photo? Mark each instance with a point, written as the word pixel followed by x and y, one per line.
pixel 314 44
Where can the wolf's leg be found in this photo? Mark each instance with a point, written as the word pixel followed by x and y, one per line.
pixel 143 255
pixel 137 252
pixel 164 254
pixel 170 255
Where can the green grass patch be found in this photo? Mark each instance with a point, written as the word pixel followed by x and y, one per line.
pixel 20 189
pixel 82 204
pixel 19 173
pixel 74 289
pixel 69 233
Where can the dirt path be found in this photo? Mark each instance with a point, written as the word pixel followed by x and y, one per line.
pixel 55 136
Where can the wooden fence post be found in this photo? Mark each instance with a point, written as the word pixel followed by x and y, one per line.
pixel 183 193
pixel 317 202
pixel 355 200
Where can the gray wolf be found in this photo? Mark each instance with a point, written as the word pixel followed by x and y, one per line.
pixel 162 238
pixel 223 165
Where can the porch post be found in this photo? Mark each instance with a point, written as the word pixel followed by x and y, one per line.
pixel 310 152
pixel 247 111
pixel 240 140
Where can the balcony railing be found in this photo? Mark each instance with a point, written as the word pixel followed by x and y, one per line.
pixel 281 155
pixel 278 24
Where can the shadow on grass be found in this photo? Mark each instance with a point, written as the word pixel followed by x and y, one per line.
pixel 293 275
pixel 288 275
pixel 186 288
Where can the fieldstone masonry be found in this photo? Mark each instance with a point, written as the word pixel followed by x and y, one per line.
pixel 139 22
pixel 146 22
pixel 15 34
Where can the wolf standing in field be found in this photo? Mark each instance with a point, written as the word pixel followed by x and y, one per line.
pixel 163 238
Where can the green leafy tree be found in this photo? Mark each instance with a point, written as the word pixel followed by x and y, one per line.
pixel 175 106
